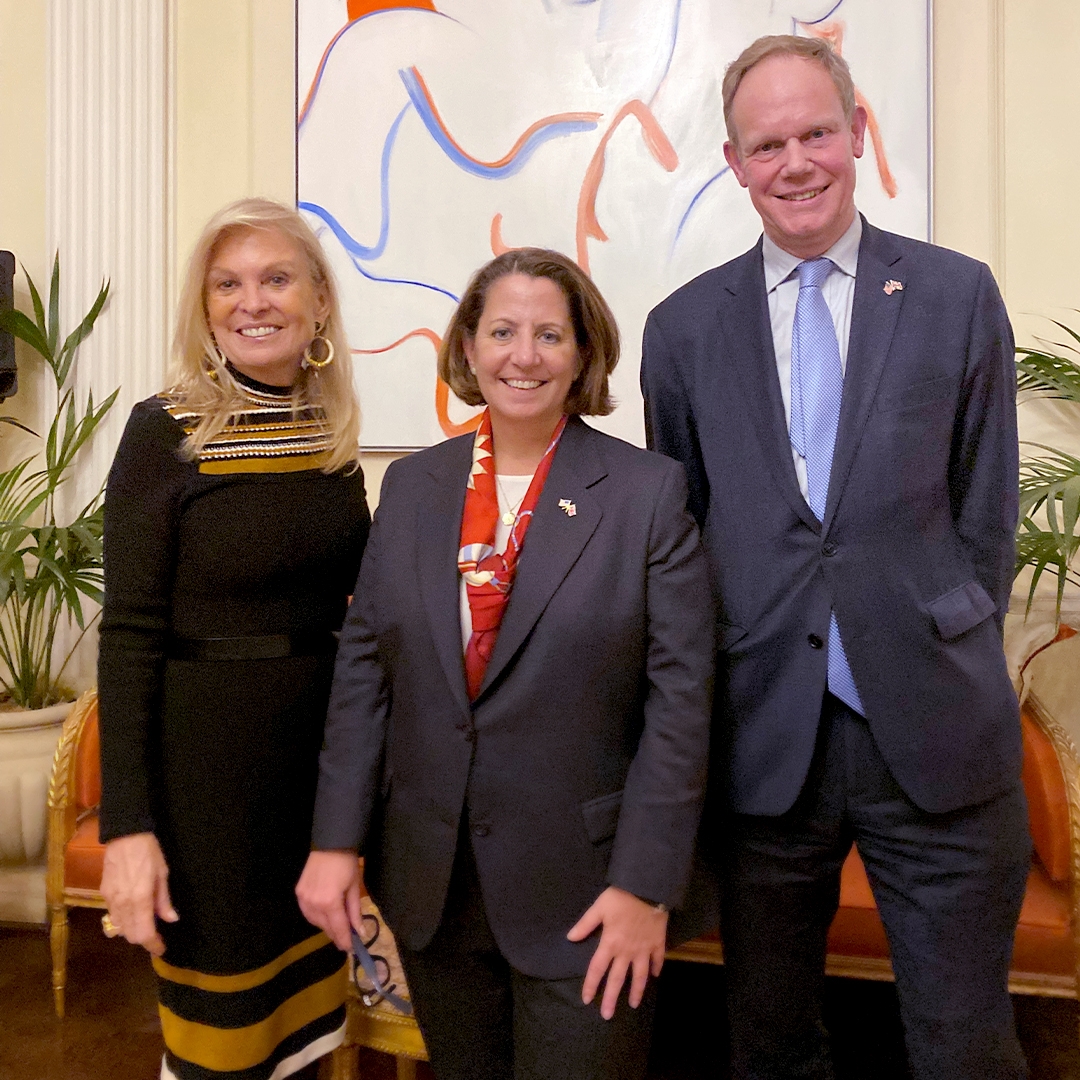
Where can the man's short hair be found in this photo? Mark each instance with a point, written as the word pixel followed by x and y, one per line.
pixel 809 48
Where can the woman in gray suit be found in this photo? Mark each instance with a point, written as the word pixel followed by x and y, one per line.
pixel 518 729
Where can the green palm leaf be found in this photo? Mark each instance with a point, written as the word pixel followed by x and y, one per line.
pixel 18 325
pixel 1049 481
pixel 47 566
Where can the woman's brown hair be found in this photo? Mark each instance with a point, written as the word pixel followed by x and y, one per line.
pixel 595 330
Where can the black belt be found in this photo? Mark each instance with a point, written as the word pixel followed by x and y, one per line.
pixel 261 647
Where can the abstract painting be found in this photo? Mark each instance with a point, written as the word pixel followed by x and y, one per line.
pixel 432 134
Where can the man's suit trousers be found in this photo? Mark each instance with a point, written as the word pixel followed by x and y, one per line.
pixel 948 888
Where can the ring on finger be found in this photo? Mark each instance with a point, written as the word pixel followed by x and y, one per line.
pixel 108 926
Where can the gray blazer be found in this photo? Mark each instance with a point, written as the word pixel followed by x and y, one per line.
pixel 582 762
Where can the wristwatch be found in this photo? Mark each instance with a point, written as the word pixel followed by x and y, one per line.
pixel 661 909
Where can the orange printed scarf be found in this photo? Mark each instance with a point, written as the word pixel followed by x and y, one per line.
pixel 489 575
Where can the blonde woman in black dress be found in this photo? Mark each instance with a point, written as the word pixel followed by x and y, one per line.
pixel 235 520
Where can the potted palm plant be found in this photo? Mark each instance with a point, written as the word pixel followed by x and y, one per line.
pixel 47 565
pixel 50 562
pixel 1050 479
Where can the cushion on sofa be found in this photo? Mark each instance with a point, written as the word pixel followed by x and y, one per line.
pixel 1048 802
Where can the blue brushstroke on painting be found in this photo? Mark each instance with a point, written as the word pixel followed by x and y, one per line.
pixel 693 202
pixel 351 247
pixel 671 52
pixel 334 43
pixel 796 23
pixel 347 241
pixel 556 129
pixel 405 281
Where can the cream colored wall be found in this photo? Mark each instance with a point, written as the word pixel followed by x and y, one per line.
pixel 234 108
pixel 1005 107
pixel 1042 229
pixel 1005 104
pixel 22 170
pixel 22 131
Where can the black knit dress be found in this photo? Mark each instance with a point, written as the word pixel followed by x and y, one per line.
pixel 224 579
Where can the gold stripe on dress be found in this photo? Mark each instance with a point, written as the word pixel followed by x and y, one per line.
pixel 245 980
pixel 234 1049
pixel 263 443
pixel 280 425
pixel 231 1050
pixel 269 431
pixel 286 440
pixel 297 461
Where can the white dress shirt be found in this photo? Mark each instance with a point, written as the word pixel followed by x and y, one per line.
pixel 782 286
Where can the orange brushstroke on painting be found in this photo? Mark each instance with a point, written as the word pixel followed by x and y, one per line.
pixel 658 145
pixel 442 409
pixel 833 33
pixel 888 181
pixel 359 8
pixel 522 138
pixel 442 391
pixel 497 245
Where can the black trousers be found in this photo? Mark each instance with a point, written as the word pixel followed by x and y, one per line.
pixel 483 1020
pixel 948 888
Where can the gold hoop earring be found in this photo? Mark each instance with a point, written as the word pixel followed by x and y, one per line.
pixel 318 363
pixel 215 364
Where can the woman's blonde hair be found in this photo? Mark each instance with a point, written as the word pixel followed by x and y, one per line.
pixel 198 378
pixel 595 330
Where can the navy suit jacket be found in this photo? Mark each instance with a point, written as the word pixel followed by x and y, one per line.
pixel 582 761
pixel 915 554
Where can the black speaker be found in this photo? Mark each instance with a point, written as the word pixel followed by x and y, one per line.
pixel 9 375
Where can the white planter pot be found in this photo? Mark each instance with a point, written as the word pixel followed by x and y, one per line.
pixel 27 743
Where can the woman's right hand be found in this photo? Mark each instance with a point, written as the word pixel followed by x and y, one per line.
pixel 329 894
pixel 135 886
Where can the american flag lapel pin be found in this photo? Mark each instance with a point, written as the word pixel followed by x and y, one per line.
pixel 567 507
pixel 892 286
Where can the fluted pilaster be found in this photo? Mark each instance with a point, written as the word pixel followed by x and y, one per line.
pixel 110 199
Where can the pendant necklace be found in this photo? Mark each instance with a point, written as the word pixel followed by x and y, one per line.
pixel 509 517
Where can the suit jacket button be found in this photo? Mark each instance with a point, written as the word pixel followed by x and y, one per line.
pixel 815 642
pixel 828 549
pixel 480 830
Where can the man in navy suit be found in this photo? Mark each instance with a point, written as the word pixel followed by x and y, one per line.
pixel 862 566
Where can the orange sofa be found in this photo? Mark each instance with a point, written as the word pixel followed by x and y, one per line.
pixel 1046 951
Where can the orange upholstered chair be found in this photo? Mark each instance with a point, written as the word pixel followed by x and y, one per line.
pixel 76 855
pixel 1046 952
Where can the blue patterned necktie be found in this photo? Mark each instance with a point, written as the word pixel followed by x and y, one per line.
pixel 817 385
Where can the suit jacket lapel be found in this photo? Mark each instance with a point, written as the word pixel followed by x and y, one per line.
pixel 553 543
pixel 438 530
pixel 873 322
pixel 744 313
